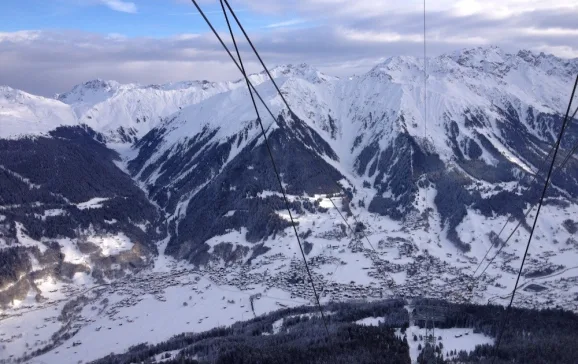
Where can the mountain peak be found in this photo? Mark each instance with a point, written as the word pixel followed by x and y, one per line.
pixel 100 84
pixel 302 70
pixel 24 114
pixel 92 87
pixel 475 57
pixel 395 66
pixel 10 94
pixel 7 91
pixel 496 60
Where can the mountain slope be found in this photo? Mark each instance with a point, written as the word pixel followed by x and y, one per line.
pixel 25 114
pixel 492 117
pixel 186 164
pixel 68 213
pixel 125 112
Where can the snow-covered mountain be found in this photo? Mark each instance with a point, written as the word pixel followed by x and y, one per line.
pixel 126 112
pixel 431 196
pixel 24 114
pixel 491 118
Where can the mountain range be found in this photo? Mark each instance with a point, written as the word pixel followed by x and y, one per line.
pixel 399 183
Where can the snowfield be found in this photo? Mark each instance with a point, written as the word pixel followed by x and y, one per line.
pixel 23 114
pixel 93 203
pixel 451 339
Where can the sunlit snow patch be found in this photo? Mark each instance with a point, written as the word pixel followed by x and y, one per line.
pixel 93 203
pixel 111 244
pixel 370 321
pixel 452 339
pixel 26 240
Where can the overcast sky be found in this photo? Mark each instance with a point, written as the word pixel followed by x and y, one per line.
pixel 48 46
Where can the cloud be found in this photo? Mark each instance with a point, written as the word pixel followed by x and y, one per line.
pixel 22 36
pixel 364 8
pixel 287 23
pixel 349 37
pixel 122 6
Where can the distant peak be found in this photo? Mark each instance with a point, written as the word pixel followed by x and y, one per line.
pixel 391 66
pixel 181 85
pixel 301 70
pixel 9 93
pixel 291 66
pixel 473 57
pixel 98 84
pixel 93 86
pixel 532 57
pixel 6 89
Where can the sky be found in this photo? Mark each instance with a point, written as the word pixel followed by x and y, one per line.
pixel 48 46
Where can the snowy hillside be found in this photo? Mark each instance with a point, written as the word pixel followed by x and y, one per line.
pixel 491 118
pixel 441 190
pixel 25 114
pixel 126 112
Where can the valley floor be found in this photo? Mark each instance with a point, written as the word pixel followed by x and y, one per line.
pixel 82 321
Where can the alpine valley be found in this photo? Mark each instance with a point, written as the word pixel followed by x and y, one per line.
pixel 132 213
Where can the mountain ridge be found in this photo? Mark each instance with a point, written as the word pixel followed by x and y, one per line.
pixel 114 109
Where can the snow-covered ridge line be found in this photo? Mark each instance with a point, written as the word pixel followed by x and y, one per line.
pixel 126 112
pixel 23 114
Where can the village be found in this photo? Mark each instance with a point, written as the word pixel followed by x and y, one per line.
pixel 424 275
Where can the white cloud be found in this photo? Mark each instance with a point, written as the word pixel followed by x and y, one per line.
pixel 369 8
pixel 347 37
pixel 551 31
pixel 380 37
pixel 186 36
pixel 122 6
pixel 21 36
pixel 116 36
pixel 287 23
pixel 562 51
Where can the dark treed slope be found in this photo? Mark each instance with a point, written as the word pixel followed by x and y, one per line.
pixel 42 181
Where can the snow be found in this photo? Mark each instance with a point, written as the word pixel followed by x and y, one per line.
pixel 153 320
pixel 452 339
pixel 166 356
pixel 23 114
pixel 111 244
pixel 53 212
pixel 15 333
pixel 71 252
pixel 233 236
pixel 107 106
pixel 277 326
pixel 457 82
pixel 93 203
pixel 26 240
pixel 370 321
pixel 230 213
